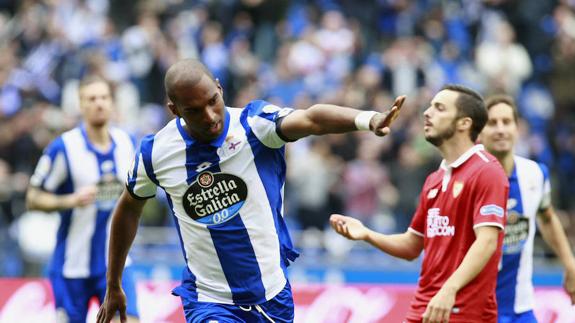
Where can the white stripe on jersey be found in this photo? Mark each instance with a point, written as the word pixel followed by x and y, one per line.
pixel 531 184
pixel 84 170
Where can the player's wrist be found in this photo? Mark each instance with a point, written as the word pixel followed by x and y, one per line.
pixel 363 120
pixel 69 201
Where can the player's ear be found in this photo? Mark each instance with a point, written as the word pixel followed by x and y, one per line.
pixel 220 87
pixel 464 123
pixel 173 108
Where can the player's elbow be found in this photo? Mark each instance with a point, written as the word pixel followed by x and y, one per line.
pixel 411 255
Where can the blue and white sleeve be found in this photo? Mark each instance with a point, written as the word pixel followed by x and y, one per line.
pixel 52 168
pixel 139 183
pixel 546 196
pixel 264 118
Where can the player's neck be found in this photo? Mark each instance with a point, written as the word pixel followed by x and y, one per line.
pixel 99 137
pixel 455 147
pixel 507 162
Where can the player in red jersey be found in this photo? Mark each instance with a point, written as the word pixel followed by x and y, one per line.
pixel 459 220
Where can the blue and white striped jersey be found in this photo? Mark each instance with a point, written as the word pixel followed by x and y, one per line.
pixel 227 200
pixel 69 163
pixel 529 193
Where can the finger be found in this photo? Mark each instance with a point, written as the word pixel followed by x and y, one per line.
pixel 399 101
pixel 425 315
pixel 445 315
pixel 382 131
pixel 435 315
pixel 123 317
pixel 336 217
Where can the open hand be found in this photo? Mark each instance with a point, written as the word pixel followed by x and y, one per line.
pixel 439 307
pixel 380 123
pixel 114 301
pixel 348 227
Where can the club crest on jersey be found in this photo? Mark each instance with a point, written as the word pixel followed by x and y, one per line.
pixel 109 190
pixel 457 188
pixel 516 233
pixel 231 146
pixel 215 198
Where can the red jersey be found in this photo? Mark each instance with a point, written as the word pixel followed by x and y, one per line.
pixel 456 199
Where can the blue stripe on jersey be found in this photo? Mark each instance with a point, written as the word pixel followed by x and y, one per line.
pixel 231 239
pixel 239 263
pixel 271 167
pixel 98 250
pixel 507 276
pixel 66 187
pixel 146 150
pixel 98 242
pixel 255 108
pixel 132 179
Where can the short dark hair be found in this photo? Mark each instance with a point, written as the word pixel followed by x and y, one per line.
pixel 469 104
pixel 505 99
pixel 186 70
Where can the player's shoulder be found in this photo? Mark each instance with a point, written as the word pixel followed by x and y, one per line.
pixel 121 136
pixel 483 166
pixel 262 108
pixel 522 163
pixel 530 168
pixel 68 137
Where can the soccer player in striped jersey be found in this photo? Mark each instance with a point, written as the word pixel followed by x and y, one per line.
pixel 80 175
pixel 529 205
pixel 459 220
pixel 223 170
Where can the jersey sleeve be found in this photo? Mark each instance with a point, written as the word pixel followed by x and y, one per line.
pixel 491 192
pixel 52 168
pixel 264 119
pixel 417 225
pixel 141 183
pixel 546 199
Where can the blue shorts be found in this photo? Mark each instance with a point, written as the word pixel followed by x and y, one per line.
pixel 525 317
pixel 279 309
pixel 73 295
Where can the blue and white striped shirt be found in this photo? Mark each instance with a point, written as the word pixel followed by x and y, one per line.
pixel 529 193
pixel 227 200
pixel 69 163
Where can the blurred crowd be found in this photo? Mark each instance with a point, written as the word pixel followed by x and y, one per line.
pixel 357 53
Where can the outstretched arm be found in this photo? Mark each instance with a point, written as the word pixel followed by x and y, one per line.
pixel 322 119
pixel 553 233
pixel 405 245
pixel 37 199
pixel 439 307
pixel 122 233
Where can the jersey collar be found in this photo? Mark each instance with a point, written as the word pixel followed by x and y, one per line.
pixel 91 146
pixel 215 143
pixel 463 158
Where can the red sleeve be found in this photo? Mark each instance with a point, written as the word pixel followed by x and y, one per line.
pixel 491 191
pixel 417 225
